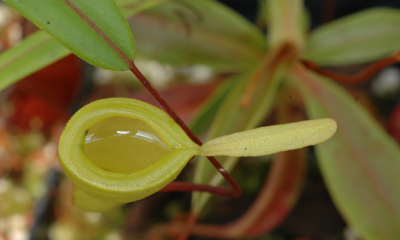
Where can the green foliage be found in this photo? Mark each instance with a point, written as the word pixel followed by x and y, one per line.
pixel 359 38
pixel 359 164
pixel 41 49
pixel 34 53
pixel 99 40
pixel 250 117
pixel 198 32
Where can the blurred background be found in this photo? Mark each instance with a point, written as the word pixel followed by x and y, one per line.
pixel 35 196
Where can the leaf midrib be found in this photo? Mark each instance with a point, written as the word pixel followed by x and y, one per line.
pixel 24 53
pixel 99 32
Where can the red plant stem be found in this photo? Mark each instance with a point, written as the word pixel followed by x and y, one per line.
pixel 356 78
pixel 235 191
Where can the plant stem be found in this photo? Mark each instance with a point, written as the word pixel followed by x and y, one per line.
pixel 356 78
pixel 235 191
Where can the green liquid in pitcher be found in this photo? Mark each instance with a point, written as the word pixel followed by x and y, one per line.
pixel 123 145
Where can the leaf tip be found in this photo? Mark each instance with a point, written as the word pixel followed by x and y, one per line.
pixel 329 127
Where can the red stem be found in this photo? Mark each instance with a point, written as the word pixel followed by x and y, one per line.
pixel 356 78
pixel 234 192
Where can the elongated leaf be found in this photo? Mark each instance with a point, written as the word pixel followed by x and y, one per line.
pixel 360 164
pixel 278 195
pixel 269 75
pixel 98 33
pixel 34 53
pixel 41 49
pixel 132 7
pixel 362 37
pixel 291 30
pixel 252 99
pixel 206 114
pixel 272 139
pixel 186 32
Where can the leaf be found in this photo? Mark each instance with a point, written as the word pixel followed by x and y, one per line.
pixel 359 38
pixel 268 77
pixel 207 112
pixel 360 164
pixel 280 191
pixel 277 196
pixel 250 102
pixel 40 49
pixel 198 32
pixel 34 53
pixel 97 33
pixel 287 21
pixel 271 139
pixel 132 7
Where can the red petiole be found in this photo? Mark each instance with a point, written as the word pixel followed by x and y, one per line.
pixel 188 186
pixel 360 77
pixel 235 191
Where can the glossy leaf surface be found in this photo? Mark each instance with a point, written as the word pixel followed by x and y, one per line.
pixel 41 49
pixel 197 32
pixel 360 164
pixel 98 33
pixel 359 38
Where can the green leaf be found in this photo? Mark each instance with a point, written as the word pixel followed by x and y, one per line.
pixel 34 53
pixel 286 22
pixel 97 33
pixel 362 37
pixel 206 114
pixel 198 32
pixel 132 7
pixel 361 162
pixel 271 139
pixel 41 49
pixel 234 117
